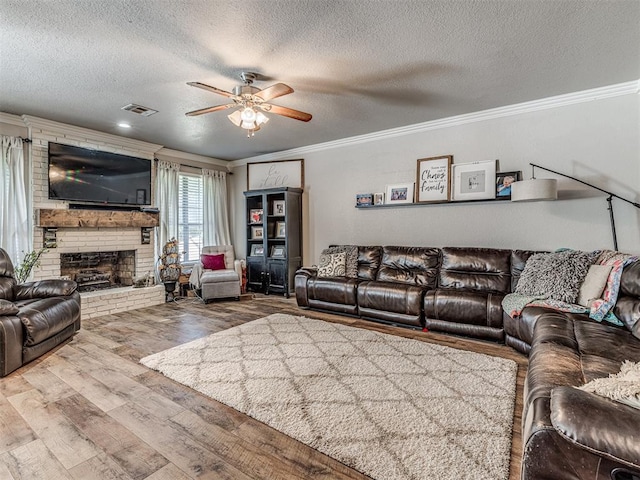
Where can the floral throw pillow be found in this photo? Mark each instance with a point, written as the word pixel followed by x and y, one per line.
pixel 332 265
pixel 351 258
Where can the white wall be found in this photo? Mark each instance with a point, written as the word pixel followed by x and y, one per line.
pixel 596 140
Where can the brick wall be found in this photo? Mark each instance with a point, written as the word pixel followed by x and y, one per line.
pixel 74 240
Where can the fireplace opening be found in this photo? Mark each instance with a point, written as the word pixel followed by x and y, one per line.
pixel 99 270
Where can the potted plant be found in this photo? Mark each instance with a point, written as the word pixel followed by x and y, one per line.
pixel 30 261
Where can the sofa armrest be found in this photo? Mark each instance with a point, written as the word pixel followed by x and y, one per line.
pixel 602 426
pixel 307 271
pixel 196 273
pixel 302 275
pixel 44 289
pixel 237 266
pixel 8 308
pixel 11 342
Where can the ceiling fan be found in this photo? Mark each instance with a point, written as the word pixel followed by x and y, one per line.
pixel 251 102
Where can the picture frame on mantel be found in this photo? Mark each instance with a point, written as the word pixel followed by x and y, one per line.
pixel 474 181
pixel 276 174
pixel 433 179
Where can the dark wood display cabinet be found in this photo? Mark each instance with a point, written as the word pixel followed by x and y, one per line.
pixel 274 239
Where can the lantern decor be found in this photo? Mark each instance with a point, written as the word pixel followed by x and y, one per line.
pixel 170 267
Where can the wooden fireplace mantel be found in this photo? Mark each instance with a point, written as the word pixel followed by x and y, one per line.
pixel 52 218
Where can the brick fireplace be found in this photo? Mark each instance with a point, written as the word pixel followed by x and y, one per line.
pixel 86 238
pixel 99 270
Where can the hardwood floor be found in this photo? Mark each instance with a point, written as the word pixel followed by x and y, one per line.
pixel 89 410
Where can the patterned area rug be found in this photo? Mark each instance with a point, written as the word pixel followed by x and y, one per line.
pixel 390 407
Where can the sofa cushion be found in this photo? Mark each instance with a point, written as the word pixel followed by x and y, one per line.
pixel 483 269
pixel 623 387
pixel 464 306
pixel 338 290
pixel 410 265
pixel 218 276
pixel 44 318
pixel 369 258
pixel 518 261
pixel 555 275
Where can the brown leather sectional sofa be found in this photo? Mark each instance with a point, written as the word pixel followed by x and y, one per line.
pixel 34 317
pixel 567 433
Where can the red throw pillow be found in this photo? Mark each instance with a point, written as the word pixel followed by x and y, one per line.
pixel 213 262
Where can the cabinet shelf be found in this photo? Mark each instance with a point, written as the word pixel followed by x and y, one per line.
pixel 274 274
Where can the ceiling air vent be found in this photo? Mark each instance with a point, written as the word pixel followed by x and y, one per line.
pixel 139 109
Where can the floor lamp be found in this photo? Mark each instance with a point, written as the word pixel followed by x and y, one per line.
pixel 546 189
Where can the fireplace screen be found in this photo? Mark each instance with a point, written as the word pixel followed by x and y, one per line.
pixel 99 270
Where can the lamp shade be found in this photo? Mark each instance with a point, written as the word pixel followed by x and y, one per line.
pixel 534 190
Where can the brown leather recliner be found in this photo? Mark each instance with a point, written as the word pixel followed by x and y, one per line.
pixel 34 316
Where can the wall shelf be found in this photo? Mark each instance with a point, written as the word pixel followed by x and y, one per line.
pixel 430 204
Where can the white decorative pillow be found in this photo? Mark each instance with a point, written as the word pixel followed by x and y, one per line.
pixel 332 265
pixel 593 285
pixel 623 387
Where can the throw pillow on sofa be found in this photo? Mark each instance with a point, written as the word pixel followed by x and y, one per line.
pixel 617 261
pixel 593 285
pixel 332 265
pixel 555 275
pixel 351 258
pixel 213 262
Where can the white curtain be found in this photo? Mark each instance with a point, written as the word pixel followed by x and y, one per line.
pixel 214 208
pixel 167 185
pixel 15 235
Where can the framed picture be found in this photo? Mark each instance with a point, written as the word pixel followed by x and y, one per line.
pixel 281 173
pixel 474 181
pixel 378 198
pixel 503 184
pixel 256 250
pixel 432 179
pixel 255 215
pixel 278 251
pixel 280 230
pixel 279 207
pixel 400 193
pixel 364 199
pixel 257 233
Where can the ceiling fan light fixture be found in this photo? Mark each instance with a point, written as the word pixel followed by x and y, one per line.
pixel 248 115
pixel 235 118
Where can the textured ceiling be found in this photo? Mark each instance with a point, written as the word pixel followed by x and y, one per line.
pixel 358 66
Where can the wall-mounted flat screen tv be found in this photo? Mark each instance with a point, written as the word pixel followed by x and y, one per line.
pixel 83 175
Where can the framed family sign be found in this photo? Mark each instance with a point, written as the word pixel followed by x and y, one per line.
pixel 432 180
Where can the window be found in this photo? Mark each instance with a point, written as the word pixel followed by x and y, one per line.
pixel 190 221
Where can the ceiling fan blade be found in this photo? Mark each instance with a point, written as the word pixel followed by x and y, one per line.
pixel 209 88
pixel 210 109
pixel 286 112
pixel 274 91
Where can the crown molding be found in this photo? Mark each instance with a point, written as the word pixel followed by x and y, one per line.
pixel 95 136
pixel 192 157
pixel 557 101
pixel 12 119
